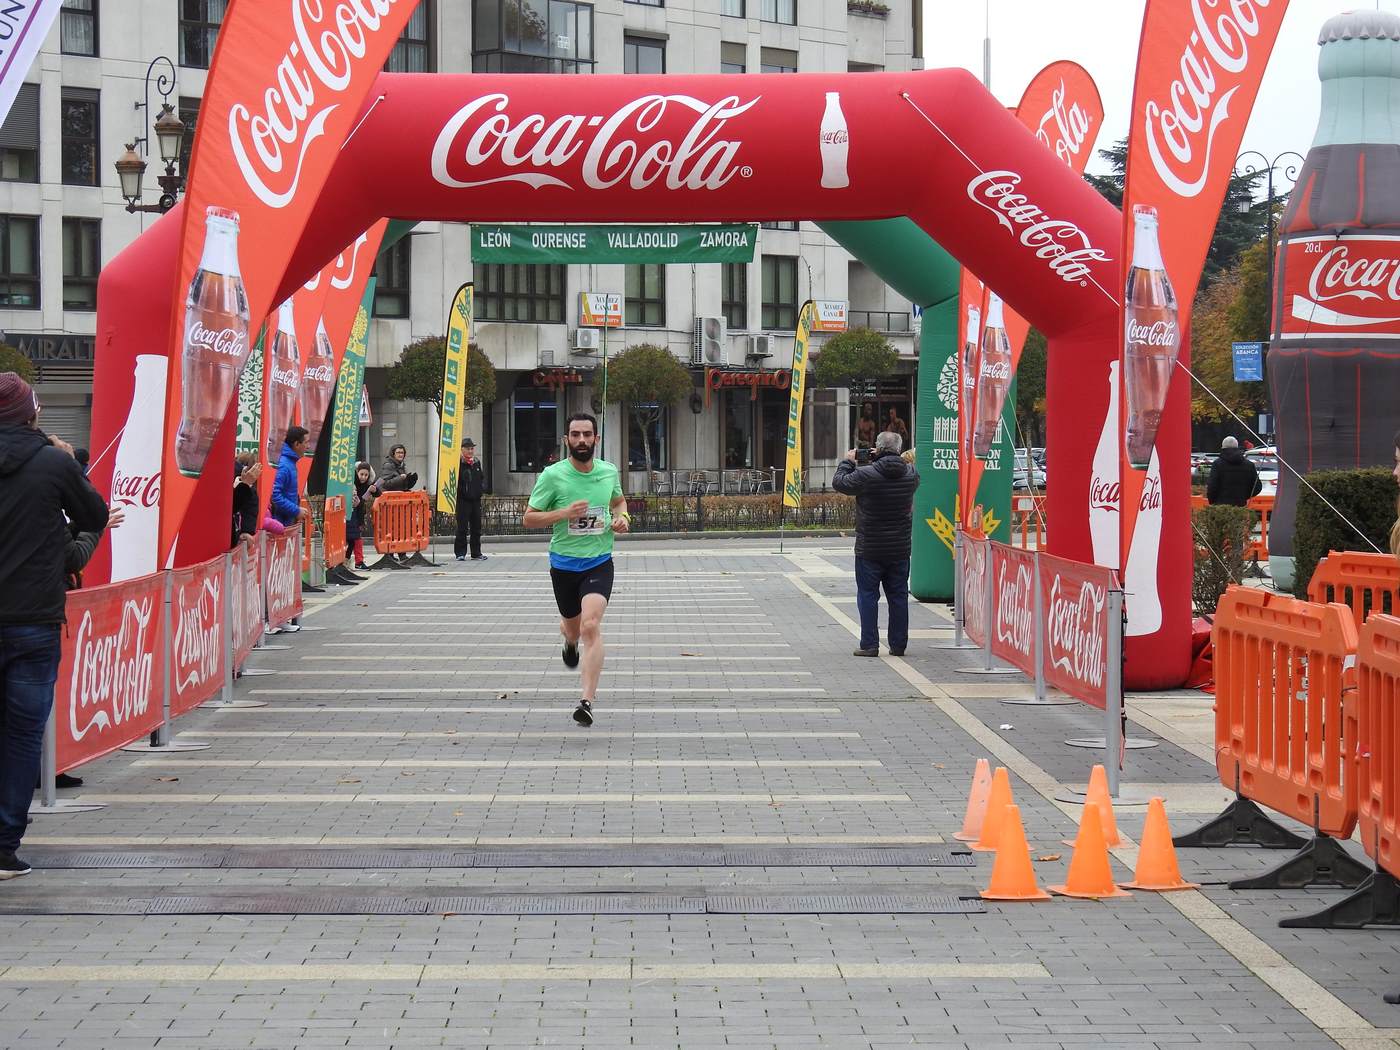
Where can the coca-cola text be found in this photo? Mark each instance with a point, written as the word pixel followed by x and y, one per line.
pixel 112 673
pixel 1159 333
pixel 1075 631
pixel 134 490
pixel 198 641
pixel 231 342
pixel 1015 611
pixel 1062 244
pixel 1064 127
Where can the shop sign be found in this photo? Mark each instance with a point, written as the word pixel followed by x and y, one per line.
pixel 599 310
pixel 557 379
pixel 727 379
pixel 56 346
pixel 831 315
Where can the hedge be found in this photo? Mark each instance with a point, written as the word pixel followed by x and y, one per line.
pixel 1366 497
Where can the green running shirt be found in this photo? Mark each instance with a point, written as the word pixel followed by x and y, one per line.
pixel 581 543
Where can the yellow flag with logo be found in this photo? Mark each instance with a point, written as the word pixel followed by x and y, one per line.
pixel 454 397
pixel 792 475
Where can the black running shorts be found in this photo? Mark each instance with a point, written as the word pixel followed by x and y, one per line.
pixel 570 587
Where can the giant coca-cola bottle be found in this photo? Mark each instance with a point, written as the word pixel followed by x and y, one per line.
pixel 317 386
pixel 993 380
pixel 283 382
pixel 136 473
pixel 215 343
pixel 1334 355
pixel 1151 337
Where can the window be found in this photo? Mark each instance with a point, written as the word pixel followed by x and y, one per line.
pixel 784 11
pixel 645 295
pixel 738 430
pixel 534 427
pixel 779 225
pixel 824 424
pixel 199 28
pixel 82 258
pixel 779 292
pixel 19 261
pixel 732 57
pixel 643 55
pixel 413 53
pixel 189 116
pixel 393 267
pixel 654 417
pixel 532 36
pixel 776 60
pixel 78 126
pixel 732 8
pixel 77 27
pixel 19 137
pixel 511 292
pixel 647 3
pixel 863 67
pixel 734 296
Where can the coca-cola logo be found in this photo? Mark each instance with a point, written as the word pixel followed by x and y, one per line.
pixel 287 377
pixel 319 374
pixel 1104 494
pixel 975 586
pixel 249 603
pixel 198 633
pixel 1151 493
pixel 617 148
pixel 1015 610
pixel 342 271
pixel 1196 107
pixel 230 341
pixel 1157 334
pixel 836 137
pixel 282 579
pixel 330 40
pixel 1059 242
pixel 996 370
pixel 1076 626
pixel 1065 126
pixel 112 673
pixel 136 490
pixel 1339 276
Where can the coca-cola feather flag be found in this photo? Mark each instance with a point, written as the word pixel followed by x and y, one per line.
pixel 283 92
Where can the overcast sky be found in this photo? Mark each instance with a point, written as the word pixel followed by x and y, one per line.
pixel 1102 36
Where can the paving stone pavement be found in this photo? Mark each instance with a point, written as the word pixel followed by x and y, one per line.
pixel 431 710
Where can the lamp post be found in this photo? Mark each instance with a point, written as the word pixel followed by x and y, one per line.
pixel 170 134
pixel 1250 165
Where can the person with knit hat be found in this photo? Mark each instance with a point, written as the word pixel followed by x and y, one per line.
pixel 40 483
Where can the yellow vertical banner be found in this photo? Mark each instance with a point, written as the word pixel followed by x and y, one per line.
pixel 454 397
pixel 792 485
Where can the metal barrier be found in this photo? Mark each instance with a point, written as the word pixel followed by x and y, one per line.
pixel 1285 734
pixel 1367 583
pixel 402 523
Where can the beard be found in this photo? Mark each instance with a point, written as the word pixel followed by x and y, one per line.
pixel 582 453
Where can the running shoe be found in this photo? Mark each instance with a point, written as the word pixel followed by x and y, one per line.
pixel 11 867
pixel 583 714
pixel 570 654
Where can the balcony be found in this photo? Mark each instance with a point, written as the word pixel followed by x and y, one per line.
pixel 891 321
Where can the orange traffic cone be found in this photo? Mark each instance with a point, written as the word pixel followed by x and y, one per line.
pixel 1090 874
pixel 1099 797
pixel 1156 867
pixel 1013 877
pixel 997 801
pixel 976 803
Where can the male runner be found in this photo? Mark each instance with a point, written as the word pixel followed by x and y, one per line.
pixel 582 499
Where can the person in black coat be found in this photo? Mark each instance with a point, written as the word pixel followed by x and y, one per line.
pixel 1233 478
pixel 247 468
pixel 884 491
pixel 471 484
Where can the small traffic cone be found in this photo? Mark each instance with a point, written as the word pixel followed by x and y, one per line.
pixel 1090 873
pixel 1156 867
pixel 976 803
pixel 1013 876
pixel 997 801
pixel 1098 796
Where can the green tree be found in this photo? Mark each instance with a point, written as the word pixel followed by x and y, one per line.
pixel 417 376
pixel 1212 355
pixel 1250 311
pixel 1030 390
pixel 857 354
pixel 11 360
pixel 648 380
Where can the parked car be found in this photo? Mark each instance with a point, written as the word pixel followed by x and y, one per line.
pixel 1265 460
pixel 1200 465
pixel 1026 475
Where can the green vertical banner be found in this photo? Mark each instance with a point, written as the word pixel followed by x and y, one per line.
pixel 345 417
pixel 454 397
pixel 250 395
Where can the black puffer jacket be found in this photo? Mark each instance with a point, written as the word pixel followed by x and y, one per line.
pixel 884 492
pixel 38 485
pixel 1233 479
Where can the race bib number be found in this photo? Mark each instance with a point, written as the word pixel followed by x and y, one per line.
pixel 591 524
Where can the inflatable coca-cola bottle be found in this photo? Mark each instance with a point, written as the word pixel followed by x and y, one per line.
pixel 994 379
pixel 1334 356
pixel 283 382
pixel 1151 337
pixel 317 386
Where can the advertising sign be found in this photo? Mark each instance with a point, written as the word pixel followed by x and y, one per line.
pixel 1013 598
pixel 831 315
pixel 197 655
pixel 454 397
pixel 1075 599
pixel 247 599
pixel 1249 362
pixel 975 566
pixel 792 469
pixel 729 243
pixel 282 577
pixel 351 403
pixel 599 310
pixel 1341 288
pixel 23 26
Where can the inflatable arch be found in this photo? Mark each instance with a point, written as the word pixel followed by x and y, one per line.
pixel 933 148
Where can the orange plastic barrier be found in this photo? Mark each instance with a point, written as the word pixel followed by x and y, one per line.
pixel 401 522
pixel 1031 510
pixel 1378 730
pixel 1199 503
pixel 1368 583
pixel 1282 728
pixel 1259 549
pixel 334 531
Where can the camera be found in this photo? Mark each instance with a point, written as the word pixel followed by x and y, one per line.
pixel 863 455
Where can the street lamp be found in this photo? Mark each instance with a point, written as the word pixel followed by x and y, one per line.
pixel 1247 168
pixel 170 134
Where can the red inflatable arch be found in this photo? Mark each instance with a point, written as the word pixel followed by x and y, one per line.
pixel 934 146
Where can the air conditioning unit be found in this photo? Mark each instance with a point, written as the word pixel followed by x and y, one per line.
pixel 760 346
pixel 586 340
pixel 708 345
pixel 546 358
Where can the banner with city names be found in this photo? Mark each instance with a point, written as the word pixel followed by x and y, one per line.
pixel 730 243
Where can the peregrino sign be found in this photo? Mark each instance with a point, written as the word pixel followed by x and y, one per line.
pixel 613 244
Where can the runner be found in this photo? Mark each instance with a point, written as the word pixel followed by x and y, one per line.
pixel 582 499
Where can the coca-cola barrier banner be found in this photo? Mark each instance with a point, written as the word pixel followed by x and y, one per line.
pixel 282 577
pixel 1013 604
pixel 975 566
pixel 198 658
pixel 109 689
pixel 1074 598
pixel 247 601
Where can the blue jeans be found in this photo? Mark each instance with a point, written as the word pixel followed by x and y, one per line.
pixel 29 657
pixel 894 577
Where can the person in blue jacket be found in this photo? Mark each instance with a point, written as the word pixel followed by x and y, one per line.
pixel 285 505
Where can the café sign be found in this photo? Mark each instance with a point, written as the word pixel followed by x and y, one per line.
pixel 730 379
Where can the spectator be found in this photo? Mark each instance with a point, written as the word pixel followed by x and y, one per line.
pixel 362 501
pixel 1233 478
pixel 471 483
pixel 286 505
pixel 81 455
pixel 392 476
pixel 39 484
pixel 884 492
pixel 247 468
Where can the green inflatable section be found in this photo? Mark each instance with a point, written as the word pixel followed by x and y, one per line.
pixel 911 263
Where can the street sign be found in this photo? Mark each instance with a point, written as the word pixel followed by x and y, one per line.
pixel 1249 362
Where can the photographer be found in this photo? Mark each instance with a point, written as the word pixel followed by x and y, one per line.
pixel 883 485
